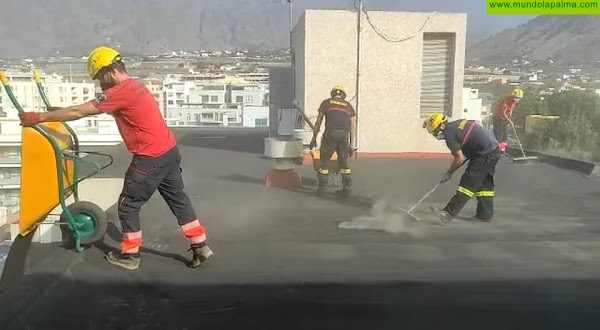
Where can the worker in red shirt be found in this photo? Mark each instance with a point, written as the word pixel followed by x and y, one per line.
pixel 502 116
pixel 156 159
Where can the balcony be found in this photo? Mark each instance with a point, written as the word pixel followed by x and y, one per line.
pixel 10 183
pixel 9 161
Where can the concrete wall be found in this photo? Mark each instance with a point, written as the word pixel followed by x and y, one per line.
pixel 389 113
pixel 280 95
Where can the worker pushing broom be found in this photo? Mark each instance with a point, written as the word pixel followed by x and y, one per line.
pixel 467 140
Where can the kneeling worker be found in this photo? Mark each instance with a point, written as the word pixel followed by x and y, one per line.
pixel 467 140
pixel 339 123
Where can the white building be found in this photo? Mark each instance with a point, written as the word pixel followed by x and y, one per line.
pixel 211 96
pixel 199 115
pixel 176 92
pixel 254 95
pixel 472 105
pixel 255 116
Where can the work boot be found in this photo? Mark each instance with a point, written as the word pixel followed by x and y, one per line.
pixel 322 180
pixel 480 219
pixel 200 253
pixel 344 192
pixel 129 261
pixel 443 215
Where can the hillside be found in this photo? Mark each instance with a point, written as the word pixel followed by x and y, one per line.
pixel 563 39
pixel 71 27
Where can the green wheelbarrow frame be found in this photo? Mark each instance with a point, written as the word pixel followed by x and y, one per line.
pixel 86 222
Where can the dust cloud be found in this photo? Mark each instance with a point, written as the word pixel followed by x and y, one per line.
pixel 386 217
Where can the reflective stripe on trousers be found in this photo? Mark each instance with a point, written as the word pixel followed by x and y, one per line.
pixel 194 231
pixel 130 243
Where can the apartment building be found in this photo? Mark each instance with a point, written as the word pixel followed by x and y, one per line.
pixel 250 95
pixel 215 101
pixel 156 88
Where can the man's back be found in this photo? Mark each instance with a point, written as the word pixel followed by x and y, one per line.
pixel 504 103
pixel 337 113
pixel 138 118
pixel 475 139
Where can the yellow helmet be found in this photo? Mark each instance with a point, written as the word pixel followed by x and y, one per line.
pixel 433 121
pixel 101 57
pixel 338 90
pixel 517 92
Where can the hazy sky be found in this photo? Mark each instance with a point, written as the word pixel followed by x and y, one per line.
pixel 479 24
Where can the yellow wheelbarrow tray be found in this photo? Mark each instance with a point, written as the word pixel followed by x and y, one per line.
pixel 333 164
pixel 50 161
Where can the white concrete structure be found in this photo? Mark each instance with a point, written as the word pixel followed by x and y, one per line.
pixel 253 116
pixel 401 82
pixel 472 105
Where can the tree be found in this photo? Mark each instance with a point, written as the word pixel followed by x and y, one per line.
pixel 530 104
pixel 574 131
pixel 587 104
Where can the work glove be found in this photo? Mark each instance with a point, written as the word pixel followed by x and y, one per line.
pixel 350 151
pixel 447 176
pixel 29 118
pixel 313 144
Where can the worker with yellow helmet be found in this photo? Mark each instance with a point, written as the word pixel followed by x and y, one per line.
pixel 467 140
pixel 338 136
pixel 156 159
pixel 502 112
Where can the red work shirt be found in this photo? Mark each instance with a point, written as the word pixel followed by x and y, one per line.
pixel 138 118
pixel 503 103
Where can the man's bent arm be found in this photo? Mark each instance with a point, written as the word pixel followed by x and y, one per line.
pixel 457 161
pixel 318 125
pixel 352 129
pixel 70 113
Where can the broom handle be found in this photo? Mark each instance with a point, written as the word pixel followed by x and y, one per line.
pixel 423 198
pixel 517 136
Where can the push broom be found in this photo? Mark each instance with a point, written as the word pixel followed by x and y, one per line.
pixel 524 159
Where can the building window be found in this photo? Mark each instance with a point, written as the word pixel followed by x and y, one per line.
pixel 188 117
pixel 204 98
pixel 437 73
pixel 196 117
pixel 239 99
pixel 249 99
pixel 214 98
pixel 260 122
pixel 170 102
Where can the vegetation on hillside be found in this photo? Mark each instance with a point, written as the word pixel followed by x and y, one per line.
pixel 575 134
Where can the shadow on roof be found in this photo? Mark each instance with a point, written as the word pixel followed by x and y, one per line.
pixel 308 189
pixel 126 302
pixel 240 140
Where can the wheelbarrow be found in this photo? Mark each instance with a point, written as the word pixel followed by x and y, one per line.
pixel 334 169
pixel 51 161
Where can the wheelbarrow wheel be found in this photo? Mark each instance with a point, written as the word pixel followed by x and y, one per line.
pixel 90 221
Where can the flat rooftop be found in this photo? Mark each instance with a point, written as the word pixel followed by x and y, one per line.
pixel 282 262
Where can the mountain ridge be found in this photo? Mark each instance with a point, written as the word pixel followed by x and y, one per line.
pixel 564 39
